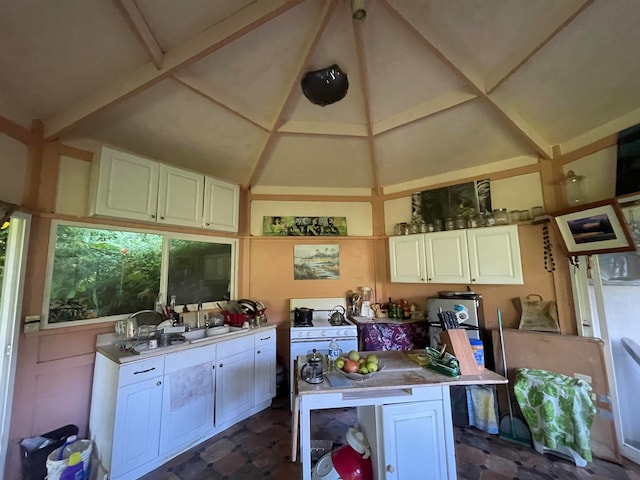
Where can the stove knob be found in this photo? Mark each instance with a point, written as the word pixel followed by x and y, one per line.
pixel 308 334
pixel 324 333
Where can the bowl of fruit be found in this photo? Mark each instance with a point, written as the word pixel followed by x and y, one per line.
pixel 359 366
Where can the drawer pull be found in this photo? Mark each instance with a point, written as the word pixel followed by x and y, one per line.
pixel 145 371
pixel 221 365
pixel 258 351
pixel 390 469
pixel 158 383
pixel 265 338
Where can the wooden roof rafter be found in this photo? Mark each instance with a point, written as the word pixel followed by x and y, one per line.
pixel 139 26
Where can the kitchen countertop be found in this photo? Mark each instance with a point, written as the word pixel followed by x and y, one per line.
pixel 113 352
pixel 400 372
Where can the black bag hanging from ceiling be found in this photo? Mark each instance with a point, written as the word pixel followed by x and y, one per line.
pixel 325 86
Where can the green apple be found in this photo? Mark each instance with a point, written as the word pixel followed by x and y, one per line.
pixel 362 361
pixel 353 355
pixel 372 367
pixel 363 370
pixel 340 362
pixel 372 359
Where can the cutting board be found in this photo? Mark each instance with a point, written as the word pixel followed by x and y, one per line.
pixel 395 361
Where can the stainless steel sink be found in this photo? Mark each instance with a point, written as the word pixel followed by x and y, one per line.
pixel 204 334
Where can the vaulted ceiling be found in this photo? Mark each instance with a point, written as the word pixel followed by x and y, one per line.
pixel 435 86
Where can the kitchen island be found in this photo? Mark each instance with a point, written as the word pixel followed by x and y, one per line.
pixel 404 411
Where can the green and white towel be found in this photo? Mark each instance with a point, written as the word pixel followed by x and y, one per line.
pixel 558 409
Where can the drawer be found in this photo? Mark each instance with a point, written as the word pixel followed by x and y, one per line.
pixel 139 371
pixel 265 338
pixel 189 358
pixel 231 347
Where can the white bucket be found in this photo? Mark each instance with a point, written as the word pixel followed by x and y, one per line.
pixel 55 467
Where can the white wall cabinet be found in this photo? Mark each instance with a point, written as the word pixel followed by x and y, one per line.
pixel 138 188
pixel 235 374
pixel 480 255
pixel 413 440
pixel 143 413
pixel 188 397
pixel 221 203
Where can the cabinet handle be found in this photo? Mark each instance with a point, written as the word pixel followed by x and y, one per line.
pixel 258 351
pixel 429 279
pixel 390 469
pixel 153 216
pixel 265 338
pixel 473 279
pixel 158 383
pixel 208 224
pixel 161 218
pixel 213 367
pixel 220 365
pixel 145 371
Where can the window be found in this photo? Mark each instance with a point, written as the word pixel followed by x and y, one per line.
pixel 100 273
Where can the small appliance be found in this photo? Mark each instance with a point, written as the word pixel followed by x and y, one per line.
pixel 313 370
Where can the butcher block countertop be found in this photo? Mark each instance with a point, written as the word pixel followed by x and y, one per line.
pixel 399 372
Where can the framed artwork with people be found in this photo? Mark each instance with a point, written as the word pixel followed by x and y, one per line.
pixel 304 226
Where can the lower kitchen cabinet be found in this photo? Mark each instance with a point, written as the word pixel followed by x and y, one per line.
pixel 265 367
pixel 234 379
pixel 146 412
pixel 188 397
pixel 413 440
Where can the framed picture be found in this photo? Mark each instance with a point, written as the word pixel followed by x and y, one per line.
pixel 593 228
pixel 304 226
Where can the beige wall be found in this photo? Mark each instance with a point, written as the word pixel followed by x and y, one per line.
pixel 13 163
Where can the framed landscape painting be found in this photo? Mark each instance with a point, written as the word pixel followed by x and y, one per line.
pixel 593 228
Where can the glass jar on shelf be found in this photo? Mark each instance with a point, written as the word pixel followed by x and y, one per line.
pixel 437 225
pixel 449 224
pixel 514 216
pixel 501 216
pixel 414 227
pixel 460 222
pixel 488 220
pixel 423 227
pixel 474 221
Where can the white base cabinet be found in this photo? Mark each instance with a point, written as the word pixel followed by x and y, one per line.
pixel 413 440
pixel 488 255
pixel 143 413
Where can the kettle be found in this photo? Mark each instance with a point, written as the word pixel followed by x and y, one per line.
pixel 312 371
pixel 336 317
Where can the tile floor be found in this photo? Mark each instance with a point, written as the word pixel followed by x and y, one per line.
pixel 260 448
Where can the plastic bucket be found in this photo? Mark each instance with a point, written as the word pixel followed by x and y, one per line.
pixel 55 467
pixel 478 351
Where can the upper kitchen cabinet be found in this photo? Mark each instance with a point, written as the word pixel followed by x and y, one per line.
pixel 479 255
pixel 221 201
pixel 137 188
pixel 180 197
pixel 494 255
pixel 126 186
pixel 439 257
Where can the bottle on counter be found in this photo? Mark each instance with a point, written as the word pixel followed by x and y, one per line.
pixel 334 351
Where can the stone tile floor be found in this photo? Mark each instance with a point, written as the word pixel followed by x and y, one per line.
pixel 260 448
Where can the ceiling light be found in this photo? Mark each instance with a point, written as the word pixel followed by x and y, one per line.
pixel 357 9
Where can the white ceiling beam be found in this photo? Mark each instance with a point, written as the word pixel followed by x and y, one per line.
pixel 514 121
pixel 139 25
pixel 423 110
pixel 323 128
pixel 197 86
pixel 364 86
pixel 529 47
pixel 312 42
pixel 610 128
pixel 210 40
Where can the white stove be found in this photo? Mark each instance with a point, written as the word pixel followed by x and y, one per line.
pixel 318 336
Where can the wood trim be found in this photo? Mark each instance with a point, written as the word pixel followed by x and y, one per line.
pixel 34 166
pixel 328 9
pixel 512 172
pixel 221 34
pixel 307 198
pixel 48 181
pixel 73 152
pixel 606 142
pixel 139 26
pixel 15 131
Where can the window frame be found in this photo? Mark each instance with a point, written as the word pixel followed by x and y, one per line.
pixel 164 268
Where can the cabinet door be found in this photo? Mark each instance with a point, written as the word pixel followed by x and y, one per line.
pixel 265 386
pixel 415 443
pixel 180 197
pixel 127 186
pixel 446 257
pixel 234 385
pixel 188 397
pixel 407 259
pixel 136 432
pixel 221 200
pixel 494 255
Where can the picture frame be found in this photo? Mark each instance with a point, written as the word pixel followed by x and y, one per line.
pixel 593 228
